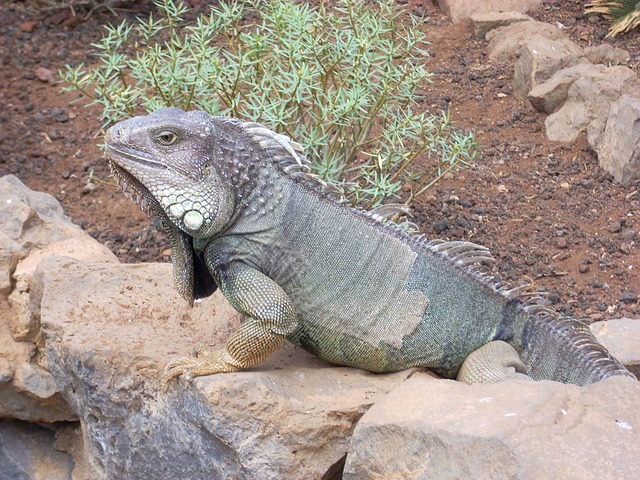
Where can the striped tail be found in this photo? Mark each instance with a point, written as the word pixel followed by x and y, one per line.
pixel 565 350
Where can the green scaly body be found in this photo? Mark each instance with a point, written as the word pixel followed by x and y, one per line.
pixel 242 215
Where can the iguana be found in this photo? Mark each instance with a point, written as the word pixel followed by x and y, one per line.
pixel 243 214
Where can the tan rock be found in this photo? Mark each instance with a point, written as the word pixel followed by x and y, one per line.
pixel 510 430
pixel 30 220
pixel 621 336
pixel 108 331
pixel 504 42
pixel 24 321
pixel 459 10
pixel 483 22
pixel 588 102
pixel 551 94
pixel 33 226
pixel 539 58
pixel 618 147
pixel 607 55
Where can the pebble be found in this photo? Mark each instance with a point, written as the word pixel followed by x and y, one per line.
pixel 28 26
pixel 615 227
pixel 628 296
pixel 44 74
pixel 441 226
pixel 55 134
pixel 625 248
pixel 88 188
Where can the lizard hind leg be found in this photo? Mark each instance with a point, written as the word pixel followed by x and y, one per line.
pixel 493 362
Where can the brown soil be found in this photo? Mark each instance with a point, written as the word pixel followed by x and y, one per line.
pixel 550 215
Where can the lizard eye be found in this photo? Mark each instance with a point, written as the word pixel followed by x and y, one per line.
pixel 166 137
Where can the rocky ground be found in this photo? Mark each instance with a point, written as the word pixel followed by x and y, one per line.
pixel 550 215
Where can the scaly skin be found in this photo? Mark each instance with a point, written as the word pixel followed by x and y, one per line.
pixel 243 216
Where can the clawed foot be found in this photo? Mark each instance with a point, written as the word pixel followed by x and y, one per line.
pixel 206 362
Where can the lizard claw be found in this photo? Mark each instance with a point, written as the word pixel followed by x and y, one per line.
pixel 200 350
pixel 206 362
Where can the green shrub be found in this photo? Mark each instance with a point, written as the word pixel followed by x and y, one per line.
pixel 624 14
pixel 341 80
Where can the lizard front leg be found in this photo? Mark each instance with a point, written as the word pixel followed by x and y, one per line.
pixel 270 318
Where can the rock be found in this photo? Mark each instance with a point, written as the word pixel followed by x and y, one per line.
pixel 69 440
pixel 615 227
pixel 27 451
pixel 459 10
pixel 504 42
pixel 98 334
pixel 27 392
pixel 28 26
pixel 539 58
pixel 482 22
pixel 30 220
pixel 588 103
pixel 45 74
pixel 621 336
pixel 607 55
pixel 33 227
pixel 105 330
pixel 619 146
pixel 551 94
pixel 35 380
pixel 514 429
pixel 24 322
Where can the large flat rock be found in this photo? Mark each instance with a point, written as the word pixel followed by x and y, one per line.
pixel 460 10
pixel 108 330
pixel 512 430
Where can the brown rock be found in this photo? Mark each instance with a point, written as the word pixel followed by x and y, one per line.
pixel 504 42
pixel 551 94
pixel 107 338
pixel 44 74
pixel 28 26
pixel 482 22
pixel 539 59
pixel 607 55
pixel 459 10
pixel 587 106
pixel 621 336
pixel 514 429
pixel 619 146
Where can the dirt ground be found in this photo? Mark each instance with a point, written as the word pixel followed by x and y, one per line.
pixel 547 211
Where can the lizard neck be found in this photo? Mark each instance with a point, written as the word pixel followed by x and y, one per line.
pixel 262 207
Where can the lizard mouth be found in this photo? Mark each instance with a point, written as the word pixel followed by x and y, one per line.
pixel 134 156
pixel 128 183
pixel 135 190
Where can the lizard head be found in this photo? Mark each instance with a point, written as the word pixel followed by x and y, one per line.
pixel 165 162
